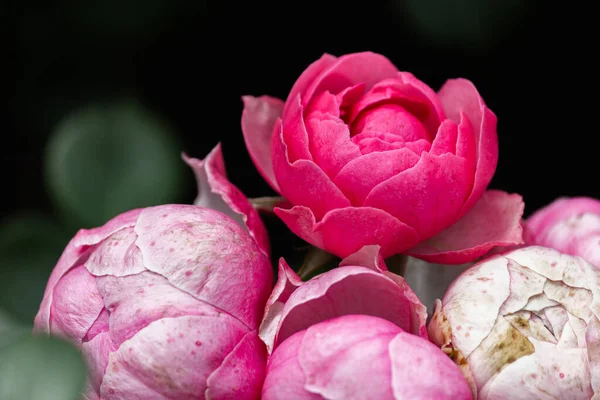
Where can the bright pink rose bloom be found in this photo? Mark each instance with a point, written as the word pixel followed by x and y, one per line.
pixel 165 302
pixel 365 155
pixel 361 357
pixel 524 325
pixel 362 286
pixel 569 225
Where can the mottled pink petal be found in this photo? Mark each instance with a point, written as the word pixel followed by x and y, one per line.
pixel 368 256
pixel 187 349
pixel 461 95
pixel 76 304
pixel 287 282
pixel 96 353
pixel 191 247
pixel 242 373
pixel 334 293
pixel 445 140
pixel 570 380
pixel 349 70
pixel 117 255
pixel 304 183
pixel 309 75
pixel 258 121
pixel 137 300
pixel 74 250
pixel 358 178
pixel 355 344
pixel 413 357
pixel 346 230
pixel 560 209
pixel 216 192
pixel 285 367
pixel 414 195
pixel 592 340
pixel 469 238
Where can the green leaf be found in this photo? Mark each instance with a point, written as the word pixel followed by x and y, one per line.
pixel 41 368
pixel 111 157
pixel 30 245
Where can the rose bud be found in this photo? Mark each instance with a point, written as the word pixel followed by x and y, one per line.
pixel 569 225
pixel 524 325
pixel 165 302
pixel 351 289
pixel 367 155
pixel 361 357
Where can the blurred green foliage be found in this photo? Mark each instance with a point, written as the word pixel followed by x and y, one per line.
pixel 39 368
pixel 463 23
pixel 30 245
pixel 111 157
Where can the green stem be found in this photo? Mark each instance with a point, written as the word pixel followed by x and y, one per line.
pixel 313 261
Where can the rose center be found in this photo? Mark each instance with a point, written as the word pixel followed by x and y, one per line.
pixel 391 119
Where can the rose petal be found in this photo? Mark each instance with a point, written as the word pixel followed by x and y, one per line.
pixel 242 373
pixel 476 316
pixel 258 121
pixel 334 293
pixel 411 357
pixel 137 300
pixel 284 366
pixel 216 192
pixel 96 353
pixel 427 196
pixel 188 349
pixel 330 143
pixel 310 74
pixel 76 304
pixel 333 352
pixel 461 95
pixel 191 247
pixel 368 256
pixel 346 230
pixel 358 178
pixel 349 70
pixel 390 118
pixel 437 116
pixel 287 282
pixel 117 255
pixel 74 250
pixel 469 238
pixel 292 132
pixel 560 209
pixel 304 183
pixel 528 377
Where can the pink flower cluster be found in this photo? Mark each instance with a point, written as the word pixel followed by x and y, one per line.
pixel 373 166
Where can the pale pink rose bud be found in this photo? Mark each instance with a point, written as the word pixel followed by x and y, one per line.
pixel 361 357
pixel 569 225
pixel 165 302
pixel 361 285
pixel 524 325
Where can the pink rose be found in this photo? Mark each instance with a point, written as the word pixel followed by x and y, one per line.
pixel 368 155
pixel 166 301
pixel 524 325
pixel 569 225
pixel 362 286
pixel 361 357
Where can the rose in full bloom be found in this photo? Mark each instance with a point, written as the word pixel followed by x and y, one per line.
pixel 524 325
pixel 355 357
pixel 367 155
pixel 165 302
pixel 362 286
pixel 570 225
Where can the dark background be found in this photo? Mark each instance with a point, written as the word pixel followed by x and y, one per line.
pixel 178 68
